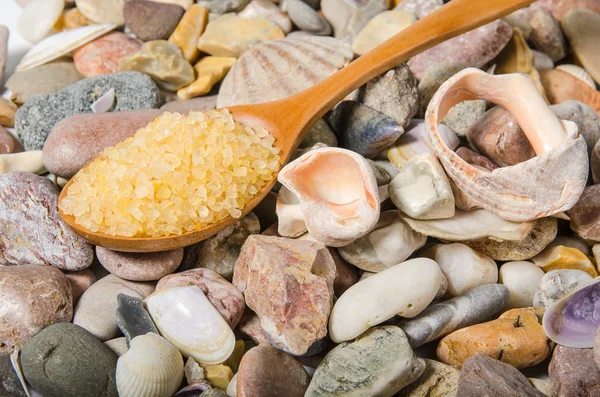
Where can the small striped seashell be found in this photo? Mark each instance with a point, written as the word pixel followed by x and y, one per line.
pixel 279 68
pixel 578 72
pixel 61 44
pixel 152 367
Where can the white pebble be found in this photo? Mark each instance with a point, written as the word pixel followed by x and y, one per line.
pixel 522 279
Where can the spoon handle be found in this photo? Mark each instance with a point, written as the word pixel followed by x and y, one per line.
pixel 453 19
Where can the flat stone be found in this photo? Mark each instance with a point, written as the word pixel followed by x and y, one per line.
pixel 438 320
pixel 8 144
pixel 230 35
pixel 132 319
pixel 45 79
pixel 420 8
pixel 293 298
pixel 482 374
pixel 3 50
pixel 573 372
pixel 227 299
pixel 381 28
pixel 438 380
pixel 31 229
pixel 80 281
pixel 268 10
pixel 10 386
pixel 522 280
pixel 31 298
pixel 140 266
pixel 36 118
pixel 8 111
pixel 118 345
pixel 306 18
pixel 106 11
pixel 380 362
pixel 201 104
pixel 102 55
pixel 556 284
pixel 209 71
pixel 515 338
pixel 96 308
pixel 149 20
pixel 66 360
pixel 485 43
pixel 349 17
pixel 269 372
pixel 223 6
pixel 561 257
pixel 188 31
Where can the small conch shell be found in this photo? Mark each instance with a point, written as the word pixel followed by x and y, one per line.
pixel 338 194
pixel 573 320
pixel 152 367
pixel 289 215
pixel 524 191
pixel 579 73
pixel 187 319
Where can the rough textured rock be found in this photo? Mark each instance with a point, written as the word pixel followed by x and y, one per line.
pixel 558 283
pixel 186 34
pixel 10 386
pixel 584 215
pixel 140 266
pixel 149 20
pixel 227 299
pixel 320 132
pixel 32 297
pixel 349 17
pixel 80 281
pixel 292 298
pixel 482 375
pixel 102 56
pixel 66 360
pixel 36 118
pixel 250 325
pixel 573 372
pixel 31 229
pixel 438 380
pixel 268 372
pixel 380 362
pixel 463 115
pixel 474 307
pixel 433 77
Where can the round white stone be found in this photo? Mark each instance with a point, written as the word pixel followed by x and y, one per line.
pixel 522 279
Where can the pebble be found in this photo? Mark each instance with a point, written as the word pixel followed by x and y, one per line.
pixel 209 71
pixel 561 257
pixel 391 242
pixel 31 298
pixel 362 129
pixel 546 34
pixel 24 161
pixel 542 385
pixel 149 20
pixel 230 35
pixel 118 345
pixel 438 380
pixel 10 386
pixel 250 325
pixel 438 320
pixel 306 18
pixel 227 299
pixel 186 4
pixel 102 55
pixel 516 338
pixel 194 373
pixel 346 275
pixel 80 281
pixel 293 298
pixel 77 139
pixel 162 61
pixel 106 11
pixel 8 144
pixel 464 268
pixel 202 104
pixel 522 280
pixel 433 77
pixel 584 215
pixel 66 360
pixel 36 118
pixel 218 376
pixel 556 284
pixel 482 375
pixel 38 18
pixel 320 132
pixel 381 28
pixel 463 115
pixel 140 266
pixel 542 61
pixel 484 44
pixel 8 111
pixel 223 6
pixel 560 87
pixel 188 31
pixel 572 242
pixel 475 158
pixel 587 120
pixel 420 8
pixel 573 372
pixel 31 229
pixel 560 7
pixel 269 372
pixel 73 19
pixel 378 363
pixel 132 319
pixel 96 308
pixel 3 50
pixel 348 17
pixel 268 10
pixel 46 79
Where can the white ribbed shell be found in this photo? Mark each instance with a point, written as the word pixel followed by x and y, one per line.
pixel 152 367
pixel 279 68
pixel 578 72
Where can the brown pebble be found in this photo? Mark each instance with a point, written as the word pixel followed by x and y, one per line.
pixel 150 20
pixel 250 325
pixel 560 7
pixel 140 266
pixel 585 215
pixel 102 56
pixel 8 144
pixel 80 281
pixel 573 372
pixel 561 86
pixel 475 158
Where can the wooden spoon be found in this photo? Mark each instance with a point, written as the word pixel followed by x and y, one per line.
pixel 290 119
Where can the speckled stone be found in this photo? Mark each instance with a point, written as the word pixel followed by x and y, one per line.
pixel 10 386
pixel 149 20
pixel 35 119
pixel 461 116
pixel 140 266
pixel 560 7
pixel 80 281
pixel 250 325
pixel 306 18
pixel 433 77
pixel 573 372
pixel 556 284
pixel 31 298
pixel 102 55
pixel 438 380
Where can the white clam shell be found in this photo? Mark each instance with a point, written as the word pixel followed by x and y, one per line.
pixel 578 72
pixel 60 44
pixel 152 367
pixel 186 318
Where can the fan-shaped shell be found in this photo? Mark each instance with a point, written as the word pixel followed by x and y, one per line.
pixel 578 72
pixel 186 318
pixel 152 367
pixel 279 68
pixel 60 44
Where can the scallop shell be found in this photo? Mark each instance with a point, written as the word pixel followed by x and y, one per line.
pixel 578 72
pixel 279 68
pixel 573 320
pixel 152 367
pixel 186 318
pixel 60 44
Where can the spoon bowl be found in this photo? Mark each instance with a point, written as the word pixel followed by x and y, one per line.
pixel 290 119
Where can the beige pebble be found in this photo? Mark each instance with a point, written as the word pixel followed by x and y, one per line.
pixel 209 71
pixel 25 161
pixel 102 11
pixel 188 31
pixel 117 345
pixel 7 113
pixel 522 279
pixel 183 3
pixel 269 10
pixel 381 28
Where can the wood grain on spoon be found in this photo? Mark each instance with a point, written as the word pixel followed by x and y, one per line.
pixel 290 119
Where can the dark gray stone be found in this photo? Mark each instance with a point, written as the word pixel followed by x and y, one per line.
pixel 483 376
pixel 36 118
pixel 573 372
pixel 320 132
pixel 132 319
pixel 65 360
pixel 10 386
pixel 476 306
